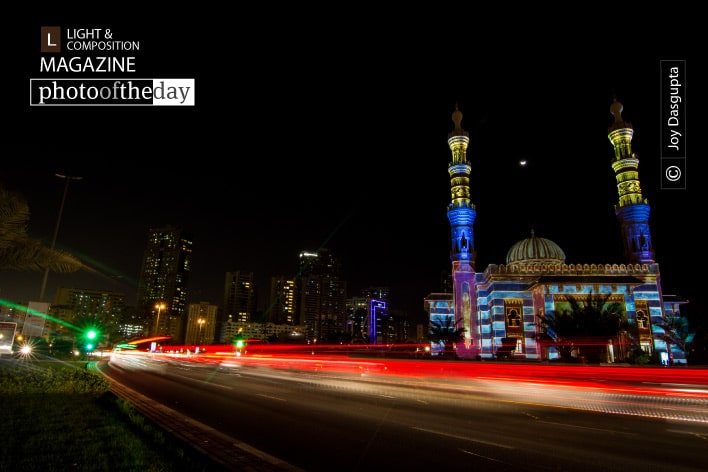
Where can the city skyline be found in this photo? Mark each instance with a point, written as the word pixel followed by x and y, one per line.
pixel 351 154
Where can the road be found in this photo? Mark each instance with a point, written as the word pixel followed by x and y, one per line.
pixel 316 421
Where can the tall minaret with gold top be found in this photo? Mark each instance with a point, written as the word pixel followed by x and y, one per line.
pixel 461 214
pixel 632 210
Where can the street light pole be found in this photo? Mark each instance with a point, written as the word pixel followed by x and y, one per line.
pixel 201 324
pixel 160 307
pixel 68 179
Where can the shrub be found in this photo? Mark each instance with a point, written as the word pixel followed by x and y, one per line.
pixel 50 377
pixel 639 356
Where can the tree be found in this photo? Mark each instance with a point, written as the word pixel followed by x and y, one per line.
pixel 20 253
pixel 446 332
pixel 675 332
pixel 590 323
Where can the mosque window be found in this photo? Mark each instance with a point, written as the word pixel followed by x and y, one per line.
pixel 642 320
pixel 513 318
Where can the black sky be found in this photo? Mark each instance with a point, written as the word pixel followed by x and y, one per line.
pixel 315 135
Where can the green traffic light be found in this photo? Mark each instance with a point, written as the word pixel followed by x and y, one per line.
pixel 91 336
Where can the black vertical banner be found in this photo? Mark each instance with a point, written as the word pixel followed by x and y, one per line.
pixel 673 124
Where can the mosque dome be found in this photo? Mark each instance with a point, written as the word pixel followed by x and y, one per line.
pixel 535 251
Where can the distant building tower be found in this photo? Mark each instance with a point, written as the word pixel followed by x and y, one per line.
pixel 163 281
pixel 370 317
pixel 379 293
pixel 461 213
pixel 74 306
pixel 357 320
pixel 281 309
pixel 240 298
pixel 369 320
pixel 632 210
pixel 380 328
pixel 321 296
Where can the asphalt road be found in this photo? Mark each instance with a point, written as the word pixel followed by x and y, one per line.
pixel 254 418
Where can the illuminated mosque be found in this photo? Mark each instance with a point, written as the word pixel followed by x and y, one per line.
pixel 502 304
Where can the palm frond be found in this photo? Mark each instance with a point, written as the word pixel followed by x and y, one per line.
pixel 17 251
pixel 32 256
pixel 14 216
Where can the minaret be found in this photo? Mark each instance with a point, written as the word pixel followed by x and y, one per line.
pixel 461 214
pixel 632 210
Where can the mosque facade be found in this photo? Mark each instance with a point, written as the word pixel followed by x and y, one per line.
pixel 501 306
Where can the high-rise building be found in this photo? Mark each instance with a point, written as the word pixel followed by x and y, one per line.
pixel 321 296
pixel 501 306
pixel 240 303
pixel 240 296
pixel 162 286
pixel 281 307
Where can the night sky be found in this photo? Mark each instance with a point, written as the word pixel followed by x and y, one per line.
pixel 336 136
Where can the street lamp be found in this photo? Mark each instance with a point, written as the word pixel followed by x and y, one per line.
pixel 201 322
pixel 160 307
pixel 68 179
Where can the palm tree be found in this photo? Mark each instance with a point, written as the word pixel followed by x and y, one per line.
pixel 446 332
pixel 675 332
pixel 17 251
pixel 590 323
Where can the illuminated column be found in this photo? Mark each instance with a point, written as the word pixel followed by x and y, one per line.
pixel 632 210
pixel 461 214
